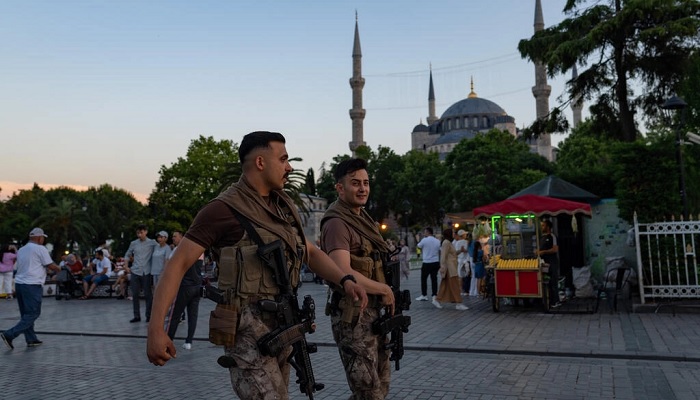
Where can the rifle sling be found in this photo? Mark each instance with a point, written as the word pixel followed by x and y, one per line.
pixel 248 228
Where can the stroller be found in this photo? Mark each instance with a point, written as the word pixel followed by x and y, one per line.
pixel 67 284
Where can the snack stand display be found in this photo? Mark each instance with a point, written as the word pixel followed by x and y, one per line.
pixel 514 271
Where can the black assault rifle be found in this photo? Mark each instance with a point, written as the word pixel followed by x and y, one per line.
pixel 294 322
pixel 396 324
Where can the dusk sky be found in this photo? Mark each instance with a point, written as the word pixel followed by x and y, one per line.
pixel 95 92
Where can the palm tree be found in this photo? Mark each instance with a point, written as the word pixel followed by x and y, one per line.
pixel 67 224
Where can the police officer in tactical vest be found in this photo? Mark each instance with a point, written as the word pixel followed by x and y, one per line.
pixel 352 239
pixel 245 281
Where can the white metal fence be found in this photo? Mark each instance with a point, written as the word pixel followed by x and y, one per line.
pixel 667 261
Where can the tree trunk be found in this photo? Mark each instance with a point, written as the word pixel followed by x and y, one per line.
pixel 629 132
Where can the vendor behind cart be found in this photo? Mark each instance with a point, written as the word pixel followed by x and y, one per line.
pixel 549 252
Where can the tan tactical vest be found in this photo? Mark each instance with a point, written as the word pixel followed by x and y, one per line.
pixel 242 271
pixel 368 262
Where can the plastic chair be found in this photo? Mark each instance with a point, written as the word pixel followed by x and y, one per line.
pixel 614 282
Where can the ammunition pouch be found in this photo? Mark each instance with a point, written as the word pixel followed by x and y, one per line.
pixel 223 323
pixel 339 304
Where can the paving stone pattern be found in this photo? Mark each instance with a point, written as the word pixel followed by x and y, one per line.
pixel 91 351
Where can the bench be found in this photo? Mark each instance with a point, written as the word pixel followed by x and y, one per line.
pixel 104 289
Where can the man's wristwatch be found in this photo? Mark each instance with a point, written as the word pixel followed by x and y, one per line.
pixel 347 277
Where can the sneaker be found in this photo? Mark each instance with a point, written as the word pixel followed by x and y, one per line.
pixel 436 303
pixel 461 307
pixel 555 305
pixel 35 343
pixel 464 294
pixel 7 340
pixel 187 346
pixel 135 319
pixel 422 298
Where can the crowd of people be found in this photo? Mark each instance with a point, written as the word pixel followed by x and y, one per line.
pixel 458 260
pixel 255 233
pixel 24 272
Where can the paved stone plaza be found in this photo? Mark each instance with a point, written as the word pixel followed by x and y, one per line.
pixel 91 351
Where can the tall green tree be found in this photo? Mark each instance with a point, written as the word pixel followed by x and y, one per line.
pixel 417 183
pixel 585 160
pixel 690 92
pixel 114 214
pixel 191 181
pixel 648 42
pixel 489 168
pixel 645 180
pixel 383 167
pixel 68 224
pixel 19 212
pixel 310 182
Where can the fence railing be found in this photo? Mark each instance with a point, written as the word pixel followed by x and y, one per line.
pixel 667 259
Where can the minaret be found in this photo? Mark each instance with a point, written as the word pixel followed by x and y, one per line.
pixel 576 103
pixel 357 82
pixel 541 90
pixel 431 100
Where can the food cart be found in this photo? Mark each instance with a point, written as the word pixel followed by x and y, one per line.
pixel 514 271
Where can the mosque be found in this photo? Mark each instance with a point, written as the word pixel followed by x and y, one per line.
pixel 465 118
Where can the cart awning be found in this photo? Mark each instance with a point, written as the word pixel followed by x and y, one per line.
pixel 533 204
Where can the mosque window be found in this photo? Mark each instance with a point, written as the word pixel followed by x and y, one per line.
pixel 457 123
pixel 466 122
pixel 486 122
pixel 449 124
pixel 475 122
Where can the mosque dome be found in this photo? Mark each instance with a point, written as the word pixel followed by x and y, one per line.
pixel 472 114
pixel 420 128
pixel 472 106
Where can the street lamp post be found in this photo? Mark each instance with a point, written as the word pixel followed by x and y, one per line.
pixel 673 105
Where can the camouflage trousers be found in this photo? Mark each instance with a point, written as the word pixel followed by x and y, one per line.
pixel 366 362
pixel 257 377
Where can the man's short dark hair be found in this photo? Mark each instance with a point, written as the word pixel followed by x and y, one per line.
pixel 142 227
pixel 429 229
pixel 257 139
pixel 547 223
pixel 99 253
pixel 348 167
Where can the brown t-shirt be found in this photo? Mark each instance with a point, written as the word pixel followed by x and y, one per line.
pixel 338 235
pixel 215 226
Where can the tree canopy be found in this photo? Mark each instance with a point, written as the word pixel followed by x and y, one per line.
pixel 585 159
pixel 192 181
pixel 621 43
pixel 489 168
pixel 74 220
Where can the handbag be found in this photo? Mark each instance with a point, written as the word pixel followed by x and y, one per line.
pixel 463 271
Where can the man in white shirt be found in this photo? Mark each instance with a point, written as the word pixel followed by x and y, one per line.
pixel 430 248
pixel 32 261
pixel 102 272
